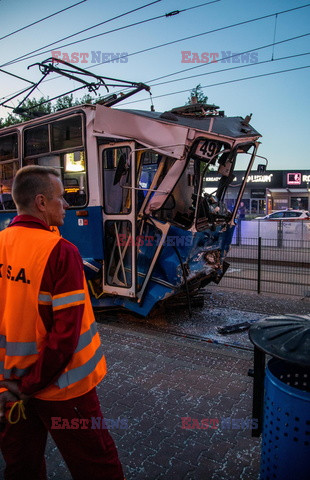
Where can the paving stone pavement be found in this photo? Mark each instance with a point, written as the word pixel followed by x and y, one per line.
pixel 156 379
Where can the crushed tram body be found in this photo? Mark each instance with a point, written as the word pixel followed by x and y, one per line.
pixel 144 225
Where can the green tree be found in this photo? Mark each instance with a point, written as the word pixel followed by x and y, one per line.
pixel 42 106
pixel 33 107
pixel 85 99
pixel 198 93
pixel 63 102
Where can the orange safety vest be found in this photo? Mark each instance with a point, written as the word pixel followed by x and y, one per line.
pixel 24 253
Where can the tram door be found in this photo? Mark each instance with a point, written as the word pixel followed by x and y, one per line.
pixel 132 244
pixel 119 218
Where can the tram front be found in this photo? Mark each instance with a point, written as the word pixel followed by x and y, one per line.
pixel 164 233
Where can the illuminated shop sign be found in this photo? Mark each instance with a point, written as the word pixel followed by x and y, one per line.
pixel 260 178
pixel 293 178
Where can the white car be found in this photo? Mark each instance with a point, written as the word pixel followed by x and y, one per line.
pixel 288 215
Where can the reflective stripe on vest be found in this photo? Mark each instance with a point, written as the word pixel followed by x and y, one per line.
pixel 30 348
pixel 7 373
pixel 62 301
pixel 78 373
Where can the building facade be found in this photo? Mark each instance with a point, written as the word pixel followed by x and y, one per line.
pixel 267 191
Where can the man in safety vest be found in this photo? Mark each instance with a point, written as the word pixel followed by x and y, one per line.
pixel 50 353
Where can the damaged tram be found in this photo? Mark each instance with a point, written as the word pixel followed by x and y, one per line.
pixel 134 181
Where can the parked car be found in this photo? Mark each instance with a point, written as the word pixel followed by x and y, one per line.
pixel 288 215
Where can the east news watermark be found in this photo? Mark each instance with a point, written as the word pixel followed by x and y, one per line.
pixel 223 423
pixel 94 56
pixel 93 423
pixel 125 240
pixel 225 56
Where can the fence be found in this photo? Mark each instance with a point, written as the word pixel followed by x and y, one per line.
pixel 263 265
pixel 275 233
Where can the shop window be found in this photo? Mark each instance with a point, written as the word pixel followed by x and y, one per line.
pixel 280 203
pixel 299 203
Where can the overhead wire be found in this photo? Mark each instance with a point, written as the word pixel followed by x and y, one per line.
pixel 211 31
pixel 231 56
pixel 175 12
pixel 201 34
pixel 222 59
pixel 232 68
pixel 22 57
pixel 223 83
pixel 41 19
pixel 197 35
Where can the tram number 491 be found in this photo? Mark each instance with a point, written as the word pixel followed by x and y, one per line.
pixel 207 148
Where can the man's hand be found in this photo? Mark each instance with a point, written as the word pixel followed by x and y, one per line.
pixel 6 397
pixel 12 386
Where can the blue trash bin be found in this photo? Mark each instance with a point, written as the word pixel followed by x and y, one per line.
pixel 286 423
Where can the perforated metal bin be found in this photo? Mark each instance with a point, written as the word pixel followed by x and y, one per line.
pixel 281 396
pixel 286 423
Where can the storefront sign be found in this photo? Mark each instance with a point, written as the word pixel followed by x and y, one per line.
pixel 293 178
pixel 258 193
pixel 260 178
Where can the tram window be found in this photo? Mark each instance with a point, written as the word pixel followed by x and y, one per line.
pixel 36 140
pixel 75 178
pixel 147 167
pixel 8 169
pixel 7 173
pixel 67 133
pixel 116 180
pixel 8 147
pixel 179 207
pixel 73 171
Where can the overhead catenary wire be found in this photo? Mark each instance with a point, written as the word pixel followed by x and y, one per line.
pixel 175 12
pixel 232 68
pixel 22 57
pixel 202 34
pixel 222 59
pixel 223 83
pixel 41 20
pixel 205 33
pixel 229 57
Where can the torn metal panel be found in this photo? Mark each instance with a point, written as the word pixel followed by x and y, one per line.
pixel 170 140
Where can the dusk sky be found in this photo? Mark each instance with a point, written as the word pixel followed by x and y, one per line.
pixel 279 102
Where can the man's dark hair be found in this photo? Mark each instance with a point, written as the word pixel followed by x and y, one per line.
pixel 31 181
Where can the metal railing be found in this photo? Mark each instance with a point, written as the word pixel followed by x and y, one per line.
pixel 261 265
pixel 278 234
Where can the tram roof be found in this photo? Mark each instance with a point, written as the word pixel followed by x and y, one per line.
pixel 221 125
pixel 233 127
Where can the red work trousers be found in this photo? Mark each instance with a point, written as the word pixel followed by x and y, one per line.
pixel 89 453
